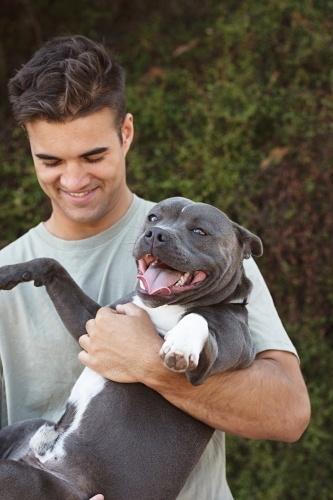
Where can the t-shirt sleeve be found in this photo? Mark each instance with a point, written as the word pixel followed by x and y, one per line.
pixel 265 325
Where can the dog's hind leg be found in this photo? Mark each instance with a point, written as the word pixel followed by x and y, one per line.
pixel 74 307
pixel 14 439
pixel 20 481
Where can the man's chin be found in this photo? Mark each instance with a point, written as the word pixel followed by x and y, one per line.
pixel 78 223
pixel 85 217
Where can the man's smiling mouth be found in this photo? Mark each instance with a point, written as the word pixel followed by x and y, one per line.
pixel 78 194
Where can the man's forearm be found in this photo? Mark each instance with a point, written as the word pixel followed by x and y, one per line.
pixel 268 400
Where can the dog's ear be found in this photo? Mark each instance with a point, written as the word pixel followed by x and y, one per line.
pixel 250 242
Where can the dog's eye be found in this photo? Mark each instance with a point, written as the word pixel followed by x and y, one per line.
pixel 199 231
pixel 152 218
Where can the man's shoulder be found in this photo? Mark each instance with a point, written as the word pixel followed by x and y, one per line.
pixel 142 204
pixel 137 212
pixel 19 250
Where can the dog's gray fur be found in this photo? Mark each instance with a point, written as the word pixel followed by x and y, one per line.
pixel 132 444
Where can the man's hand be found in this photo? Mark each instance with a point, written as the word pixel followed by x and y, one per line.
pixel 121 345
pixel 97 497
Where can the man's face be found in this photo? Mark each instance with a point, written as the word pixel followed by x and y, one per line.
pixel 80 165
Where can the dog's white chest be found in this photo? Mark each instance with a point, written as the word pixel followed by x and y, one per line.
pixel 165 318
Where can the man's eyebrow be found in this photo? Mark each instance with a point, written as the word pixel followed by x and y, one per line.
pixel 46 157
pixel 92 152
pixel 95 151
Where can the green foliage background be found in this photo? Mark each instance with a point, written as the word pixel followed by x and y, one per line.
pixel 233 105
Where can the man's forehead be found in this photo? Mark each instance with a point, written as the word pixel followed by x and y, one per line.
pixel 103 117
pixel 73 136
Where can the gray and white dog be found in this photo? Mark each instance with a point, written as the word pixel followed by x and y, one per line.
pixel 125 440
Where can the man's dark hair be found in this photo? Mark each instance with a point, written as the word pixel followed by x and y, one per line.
pixel 68 78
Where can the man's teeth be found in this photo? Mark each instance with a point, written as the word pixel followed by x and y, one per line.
pixel 79 194
pixel 183 279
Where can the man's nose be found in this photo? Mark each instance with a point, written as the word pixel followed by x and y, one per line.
pixel 74 177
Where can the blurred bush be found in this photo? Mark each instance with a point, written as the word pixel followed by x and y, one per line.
pixel 233 106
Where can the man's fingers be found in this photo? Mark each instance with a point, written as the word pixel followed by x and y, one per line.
pixel 97 497
pixel 105 312
pixel 83 356
pixel 102 313
pixel 115 343
pixel 84 341
pixel 90 323
pixel 129 309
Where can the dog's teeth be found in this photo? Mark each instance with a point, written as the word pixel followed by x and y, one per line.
pixel 155 262
pixel 183 279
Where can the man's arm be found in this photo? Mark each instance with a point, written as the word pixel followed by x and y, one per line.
pixel 267 400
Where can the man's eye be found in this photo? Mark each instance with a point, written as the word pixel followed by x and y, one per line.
pixel 152 218
pixel 199 231
pixel 94 160
pixel 54 164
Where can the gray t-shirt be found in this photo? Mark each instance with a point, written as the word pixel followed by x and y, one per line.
pixel 38 357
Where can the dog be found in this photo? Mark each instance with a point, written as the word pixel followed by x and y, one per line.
pixel 193 285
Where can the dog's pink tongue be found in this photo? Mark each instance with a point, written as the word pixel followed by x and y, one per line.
pixel 157 280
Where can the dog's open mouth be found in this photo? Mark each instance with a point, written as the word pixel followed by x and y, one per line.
pixel 158 278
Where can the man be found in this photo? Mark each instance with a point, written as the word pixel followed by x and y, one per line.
pixel 70 98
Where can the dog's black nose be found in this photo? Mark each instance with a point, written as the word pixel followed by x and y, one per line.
pixel 157 234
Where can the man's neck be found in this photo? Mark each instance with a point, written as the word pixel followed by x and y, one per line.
pixel 65 228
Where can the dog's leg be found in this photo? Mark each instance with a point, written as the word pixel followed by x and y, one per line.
pixel 14 439
pixel 183 344
pixel 229 345
pixel 74 307
pixel 19 481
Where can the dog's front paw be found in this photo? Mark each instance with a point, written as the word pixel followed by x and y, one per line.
pixel 178 354
pixel 183 344
pixel 10 276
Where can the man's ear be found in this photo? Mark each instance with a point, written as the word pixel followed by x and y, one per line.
pixel 127 132
pixel 250 242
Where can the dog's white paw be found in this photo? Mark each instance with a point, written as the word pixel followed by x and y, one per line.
pixel 179 356
pixel 183 344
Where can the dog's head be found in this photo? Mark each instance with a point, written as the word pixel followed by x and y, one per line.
pixel 187 250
